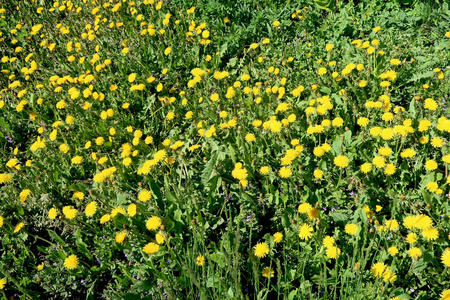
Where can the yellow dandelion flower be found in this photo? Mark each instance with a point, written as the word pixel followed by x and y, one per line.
pixel 18 227
pixel 305 231
pixel 285 172
pixel 430 234
pixel 159 238
pixel 378 269
pixel 393 250
pixel 105 218
pixel 278 237
pixel 328 241
pixel 71 262
pixel 261 250
pixel 341 161
pixel 52 213
pixel 415 253
pixel 445 295
pixel 118 210
pixel 144 195
pixel 304 208
pixel 151 248
pixel 351 229
pixel 366 168
pixel 153 223
pixel 131 210
pixel 120 237
pixel 90 209
pixel 264 170
pixel 445 258
pixel 200 260
pixel 333 252
pixel 267 272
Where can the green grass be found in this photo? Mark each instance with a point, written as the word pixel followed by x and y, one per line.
pixel 312 80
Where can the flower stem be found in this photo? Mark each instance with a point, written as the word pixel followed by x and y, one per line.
pixel 339 181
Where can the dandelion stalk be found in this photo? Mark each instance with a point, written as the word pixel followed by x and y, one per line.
pixel 339 181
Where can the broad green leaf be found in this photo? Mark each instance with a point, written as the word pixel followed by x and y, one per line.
pixel 56 237
pixel 209 168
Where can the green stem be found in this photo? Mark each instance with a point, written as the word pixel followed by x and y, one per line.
pixel 339 181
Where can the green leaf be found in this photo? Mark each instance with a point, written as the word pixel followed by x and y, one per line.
pixel 133 296
pixel 82 247
pixel 292 294
pixel 284 198
pixel 20 211
pixel 56 237
pixel 338 217
pixel 170 197
pixel 121 198
pixel 325 5
pixel 168 223
pixel 269 30
pixel 3 124
pixel 338 99
pixel 419 76
pixel 218 258
pixel 157 192
pixel 178 216
pixel 143 285
pixel 232 154
pixel 230 293
pixel 208 170
pixel 348 137
pixel 120 220
pixel 404 296
pixel 223 49
pixel 325 90
pixel 213 281
pixel 42 249
pixel 412 107
pixel 232 62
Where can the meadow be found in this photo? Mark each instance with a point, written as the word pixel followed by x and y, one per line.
pixel 224 149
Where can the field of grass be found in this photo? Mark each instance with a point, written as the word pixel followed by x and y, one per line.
pixel 224 149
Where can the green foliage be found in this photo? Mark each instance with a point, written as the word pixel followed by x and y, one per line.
pixel 147 147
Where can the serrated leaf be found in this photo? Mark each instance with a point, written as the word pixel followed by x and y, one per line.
pixel 56 237
pixel 223 49
pixel 232 62
pixel 168 223
pixel 218 258
pixel 338 217
pixel 232 154
pixel 121 198
pixel 325 90
pixel 292 295
pixel 208 170
pixel 178 216
pixel 120 220
pixel 82 247
pixel 143 285
pixel 348 137
pixel 419 76
pixel 170 197
pixel 213 281
pixel 157 192
pixel 337 99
